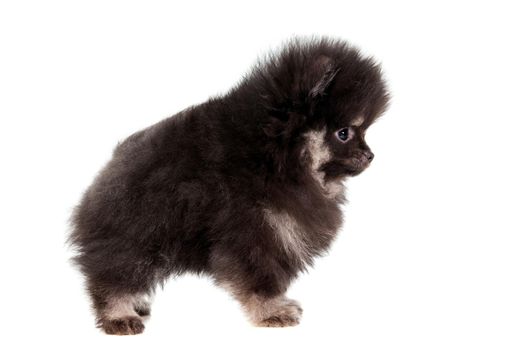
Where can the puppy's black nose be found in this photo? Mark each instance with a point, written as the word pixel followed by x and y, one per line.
pixel 369 155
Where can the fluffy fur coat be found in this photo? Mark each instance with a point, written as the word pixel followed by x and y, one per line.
pixel 245 187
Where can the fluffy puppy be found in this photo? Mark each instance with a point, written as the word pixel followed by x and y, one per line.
pixel 245 187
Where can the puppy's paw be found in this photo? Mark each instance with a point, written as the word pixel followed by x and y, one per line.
pixel 286 314
pixel 122 326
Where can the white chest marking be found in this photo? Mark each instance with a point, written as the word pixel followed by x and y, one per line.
pixel 288 233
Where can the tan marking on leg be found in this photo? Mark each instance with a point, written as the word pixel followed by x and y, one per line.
pixel 262 311
pixel 272 312
pixel 120 307
pixel 119 316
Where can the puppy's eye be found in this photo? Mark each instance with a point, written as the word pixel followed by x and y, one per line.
pixel 344 134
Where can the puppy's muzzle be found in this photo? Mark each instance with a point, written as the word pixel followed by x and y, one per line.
pixel 360 161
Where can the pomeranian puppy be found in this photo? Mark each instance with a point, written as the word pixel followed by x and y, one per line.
pixel 245 188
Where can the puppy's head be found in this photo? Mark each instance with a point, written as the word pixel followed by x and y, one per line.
pixel 325 94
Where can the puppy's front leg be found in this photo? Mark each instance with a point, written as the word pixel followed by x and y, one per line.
pixel 260 292
pixel 278 311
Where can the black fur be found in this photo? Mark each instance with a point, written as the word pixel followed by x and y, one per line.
pixel 189 193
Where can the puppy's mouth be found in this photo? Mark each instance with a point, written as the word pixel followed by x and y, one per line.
pixel 355 166
pixel 348 167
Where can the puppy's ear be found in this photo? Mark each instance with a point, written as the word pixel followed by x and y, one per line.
pixel 322 74
pixel 289 89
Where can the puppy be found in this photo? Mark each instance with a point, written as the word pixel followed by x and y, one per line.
pixel 245 188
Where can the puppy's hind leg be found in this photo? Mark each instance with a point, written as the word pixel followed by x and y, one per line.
pixel 119 311
pixel 117 315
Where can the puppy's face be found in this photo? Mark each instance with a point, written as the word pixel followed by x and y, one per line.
pixel 337 149
pixel 353 96
pixel 349 153
pixel 328 105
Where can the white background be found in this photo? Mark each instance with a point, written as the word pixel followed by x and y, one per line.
pixel 432 252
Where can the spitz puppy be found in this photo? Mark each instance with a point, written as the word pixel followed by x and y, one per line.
pixel 245 188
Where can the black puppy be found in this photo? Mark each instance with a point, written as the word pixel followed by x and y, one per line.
pixel 245 187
